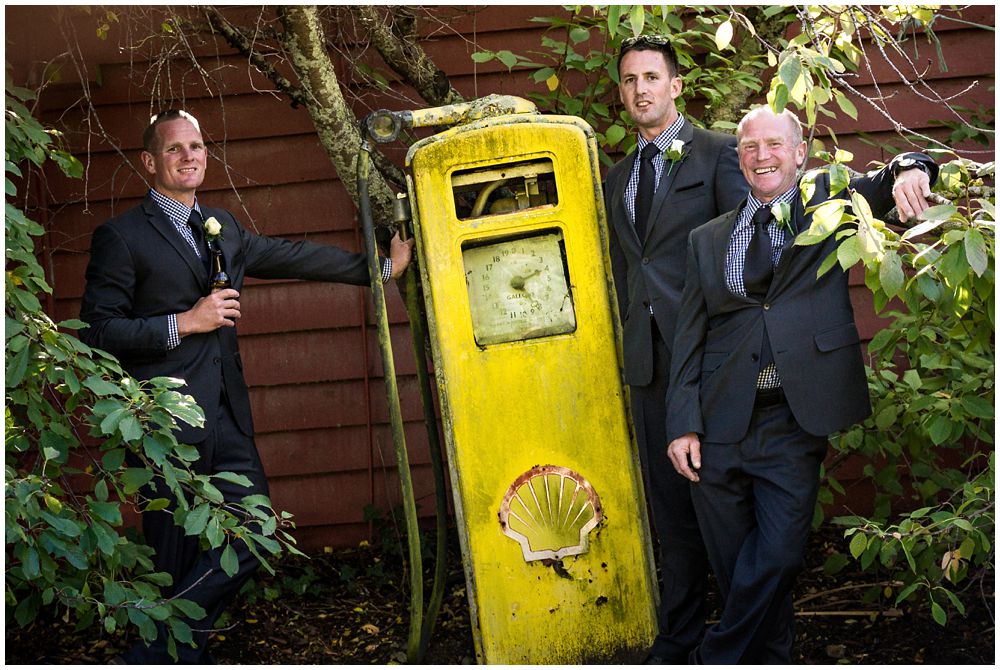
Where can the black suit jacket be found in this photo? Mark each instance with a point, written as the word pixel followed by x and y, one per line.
pixel 809 321
pixel 706 182
pixel 141 270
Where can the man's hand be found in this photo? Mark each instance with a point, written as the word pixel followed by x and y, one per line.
pixel 214 311
pixel 910 191
pixel 685 454
pixel 400 253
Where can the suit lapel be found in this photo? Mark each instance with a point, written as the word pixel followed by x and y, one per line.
pixel 667 181
pixel 799 223
pixel 720 250
pixel 618 199
pixel 159 221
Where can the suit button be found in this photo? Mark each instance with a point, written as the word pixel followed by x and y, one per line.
pixel 216 360
pixel 645 261
pixel 754 357
pixel 767 306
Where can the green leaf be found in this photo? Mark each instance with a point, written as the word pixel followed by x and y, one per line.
pixel 108 511
pixel 101 386
pixel 939 430
pixel 977 407
pixel 939 614
pixel 229 561
pixel 156 505
pixel 135 478
pixel 482 56
pixel 239 480
pixel 190 609
pixel 130 428
pixel 891 274
pixel 846 106
pixel 579 34
pixel 976 251
pixel 507 58
pixel 858 544
pixel 637 19
pixel 614 135
pixel 17 368
pixel 197 519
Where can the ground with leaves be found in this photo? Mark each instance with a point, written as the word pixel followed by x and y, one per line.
pixel 350 607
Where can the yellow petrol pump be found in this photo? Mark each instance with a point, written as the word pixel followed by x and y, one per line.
pixel 512 242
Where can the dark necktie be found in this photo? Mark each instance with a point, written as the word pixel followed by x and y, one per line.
pixel 757 268
pixel 647 186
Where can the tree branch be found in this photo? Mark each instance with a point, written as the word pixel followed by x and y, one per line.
pixel 401 52
pixel 236 39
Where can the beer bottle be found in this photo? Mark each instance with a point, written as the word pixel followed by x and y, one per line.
pixel 220 278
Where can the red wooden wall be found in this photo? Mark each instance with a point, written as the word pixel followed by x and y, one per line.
pixel 310 350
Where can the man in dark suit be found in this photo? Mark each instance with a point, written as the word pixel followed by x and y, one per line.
pixel 678 178
pixel 767 363
pixel 147 300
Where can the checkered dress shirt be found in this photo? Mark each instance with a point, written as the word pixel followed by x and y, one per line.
pixel 736 256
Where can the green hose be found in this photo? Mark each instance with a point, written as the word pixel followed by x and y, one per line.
pixel 413 646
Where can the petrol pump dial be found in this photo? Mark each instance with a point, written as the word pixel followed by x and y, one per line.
pixel 518 289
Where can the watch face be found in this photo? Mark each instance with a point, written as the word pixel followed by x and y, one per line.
pixel 906 162
pixel 518 289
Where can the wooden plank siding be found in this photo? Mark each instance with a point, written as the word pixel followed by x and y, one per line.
pixel 310 349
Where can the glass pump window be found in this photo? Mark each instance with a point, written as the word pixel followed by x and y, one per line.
pixel 501 189
pixel 519 288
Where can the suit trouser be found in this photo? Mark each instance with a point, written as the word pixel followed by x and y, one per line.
pixel 197 574
pixel 755 502
pixel 683 561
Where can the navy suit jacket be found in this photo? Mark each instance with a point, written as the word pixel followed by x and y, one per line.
pixel 809 321
pixel 141 270
pixel 706 182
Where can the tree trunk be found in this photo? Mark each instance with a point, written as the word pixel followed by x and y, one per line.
pixel 335 122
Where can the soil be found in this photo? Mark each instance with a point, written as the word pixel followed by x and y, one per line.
pixel 350 607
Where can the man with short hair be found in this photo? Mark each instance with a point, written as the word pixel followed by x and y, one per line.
pixel 148 301
pixel 679 177
pixel 767 363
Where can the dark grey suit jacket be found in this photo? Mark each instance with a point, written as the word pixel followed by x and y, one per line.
pixel 142 270
pixel 809 321
pixel 706 182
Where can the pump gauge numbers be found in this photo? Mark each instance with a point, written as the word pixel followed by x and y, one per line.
pixel 518 290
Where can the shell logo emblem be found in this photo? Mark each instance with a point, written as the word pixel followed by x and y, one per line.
pixel 550 511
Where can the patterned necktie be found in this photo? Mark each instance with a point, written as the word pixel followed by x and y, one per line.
pixel 757 268
pixel 647 186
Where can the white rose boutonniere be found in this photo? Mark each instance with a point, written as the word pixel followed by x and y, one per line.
pixel 213 229
pixel 782 213
pixel 674 153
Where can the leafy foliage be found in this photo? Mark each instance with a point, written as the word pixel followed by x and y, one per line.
pixel 579 65
pixel 931 375
pixel 83 441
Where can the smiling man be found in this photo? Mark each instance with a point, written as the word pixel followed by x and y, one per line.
pixel 767 363
pixel 148 301
pixel 679 177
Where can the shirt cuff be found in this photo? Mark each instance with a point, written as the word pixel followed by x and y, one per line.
pixel 173 338
pixel 386 269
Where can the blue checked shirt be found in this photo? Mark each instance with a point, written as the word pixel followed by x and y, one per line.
pixel 178 213
pixel 662 142
pixel 736 256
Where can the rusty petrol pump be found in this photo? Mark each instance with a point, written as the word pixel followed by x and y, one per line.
pixel 511 240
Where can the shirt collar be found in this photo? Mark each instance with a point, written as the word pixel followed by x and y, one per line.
pixel 176 211
pixel 663 140
pixel 753 204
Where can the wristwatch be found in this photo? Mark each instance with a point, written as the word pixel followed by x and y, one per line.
pixel 905 163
